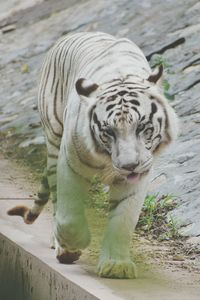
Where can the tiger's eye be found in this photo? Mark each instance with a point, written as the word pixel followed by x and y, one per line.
pixel 148 133
pixel 140 127
pixel 110 132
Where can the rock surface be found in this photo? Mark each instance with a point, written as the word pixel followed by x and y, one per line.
pixel 170 28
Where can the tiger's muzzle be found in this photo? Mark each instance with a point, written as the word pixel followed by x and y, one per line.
pixel 134 171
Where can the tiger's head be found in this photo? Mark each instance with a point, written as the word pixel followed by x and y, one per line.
pixel 130 120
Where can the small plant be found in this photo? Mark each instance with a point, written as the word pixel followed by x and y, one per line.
pixel 99 195
pixel 166 87
pixel 147 216
pixel 173 225
pixel 153 219
pixel 158 60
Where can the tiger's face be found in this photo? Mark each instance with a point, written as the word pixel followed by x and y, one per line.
pixel 130 123
pixel 129 127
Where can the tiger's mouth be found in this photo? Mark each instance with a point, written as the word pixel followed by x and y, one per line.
pixel 133 177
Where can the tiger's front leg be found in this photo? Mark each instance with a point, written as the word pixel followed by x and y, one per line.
pixel 115 260
pixel 71 228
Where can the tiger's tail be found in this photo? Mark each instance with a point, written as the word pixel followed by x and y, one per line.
pixel 30 214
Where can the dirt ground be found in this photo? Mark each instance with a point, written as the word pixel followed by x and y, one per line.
pixel 169 269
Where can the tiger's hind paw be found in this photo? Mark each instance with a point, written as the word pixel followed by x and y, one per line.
pixel 68 257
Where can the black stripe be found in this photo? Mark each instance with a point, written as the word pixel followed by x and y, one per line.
pixel 110 98
pixel 78 43
pixel 166 119
pixel 148 148
pixel 69 59
pixel 109 107
pixel 68 163
pixel 125 112
pixel 50 173
pixel 110 91
pixel 55 106
pixel 60 56
pixel 160 122
pixel 133 55
pixel 137 87
pixel 96 121
pixel 135 102
pixel 51 155
pixel 154 109
pixel 52 167
pixel 133 94
pixel 75 138
pixel 54 71
pixel 135 109
pixel 110 113
pixel 118 113
pixel 158 136
pixel 49 124
pixel 45 79
pixel 126 106
pixel 53 143
pixel 43 199
pixel 122 93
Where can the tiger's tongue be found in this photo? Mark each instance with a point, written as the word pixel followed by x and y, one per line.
pixel 133 177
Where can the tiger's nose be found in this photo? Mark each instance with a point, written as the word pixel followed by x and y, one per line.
pixel 130 167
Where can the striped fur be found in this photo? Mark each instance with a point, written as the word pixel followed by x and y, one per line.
pixel 103 113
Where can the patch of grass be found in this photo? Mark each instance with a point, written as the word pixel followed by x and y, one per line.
pixel 99 195
pixel 153 220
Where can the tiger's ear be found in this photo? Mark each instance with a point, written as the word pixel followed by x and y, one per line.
pixel 85 87
pixel 157 76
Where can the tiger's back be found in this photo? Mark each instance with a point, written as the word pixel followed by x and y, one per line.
pixel 97 56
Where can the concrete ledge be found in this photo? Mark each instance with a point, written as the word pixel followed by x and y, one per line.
pixel 29 270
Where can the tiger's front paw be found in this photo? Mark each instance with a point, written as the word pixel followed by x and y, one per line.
pixel 122 269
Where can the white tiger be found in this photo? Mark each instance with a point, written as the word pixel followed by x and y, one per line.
pixel 104 113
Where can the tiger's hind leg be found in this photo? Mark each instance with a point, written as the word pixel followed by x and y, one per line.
pixel 71 228
pixel 47 187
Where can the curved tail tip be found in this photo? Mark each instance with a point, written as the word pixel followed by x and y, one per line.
pixel 18 211
pixel 23 212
